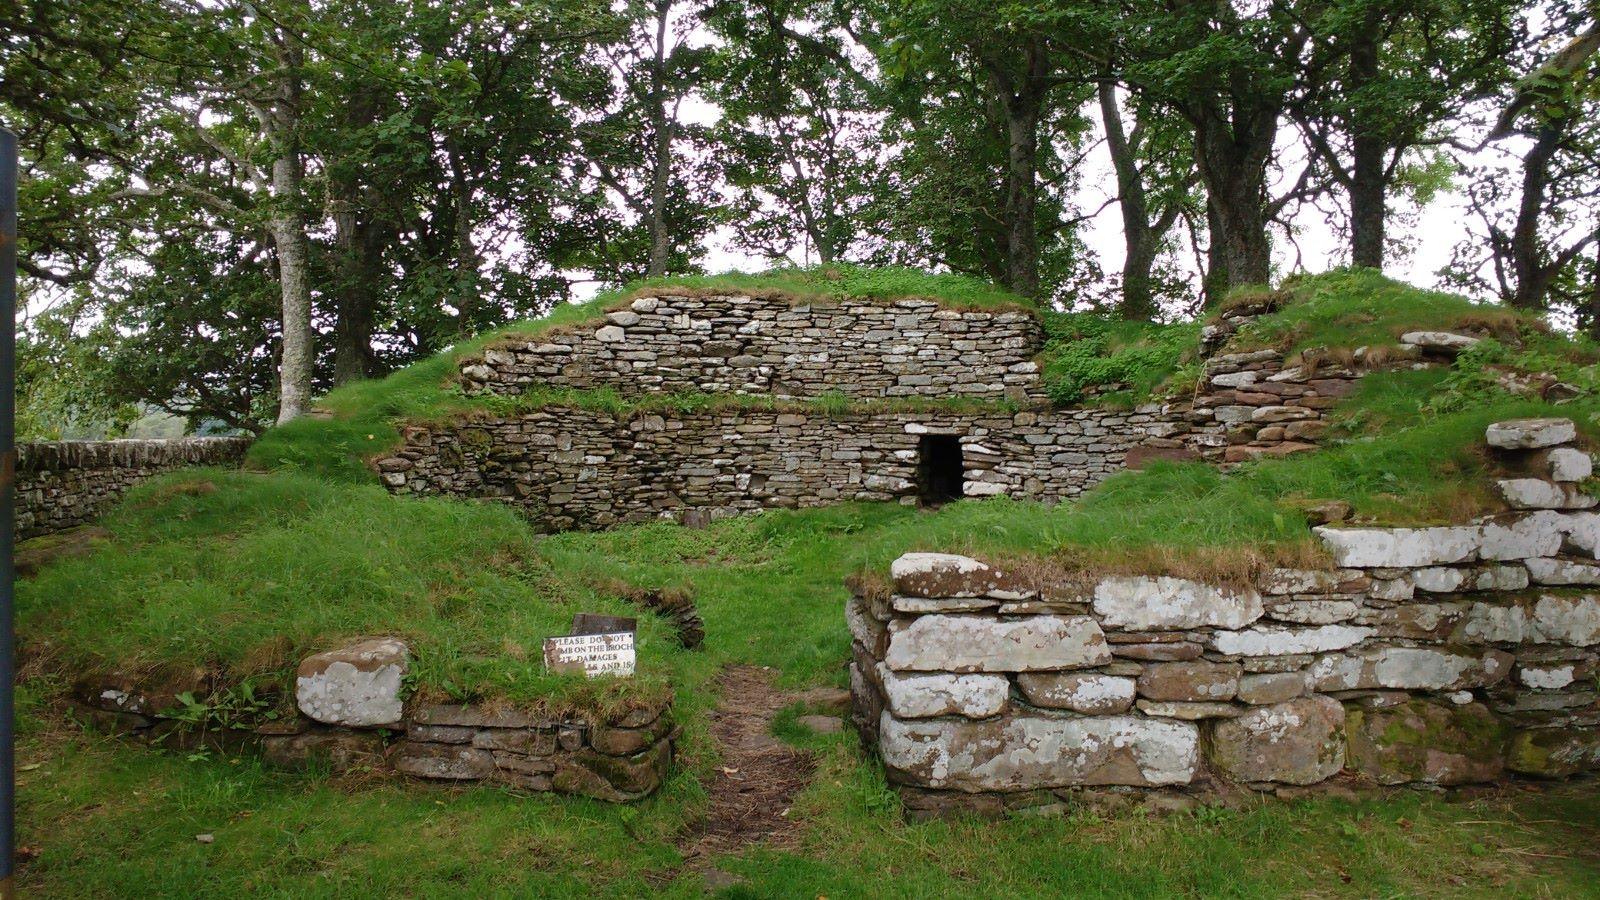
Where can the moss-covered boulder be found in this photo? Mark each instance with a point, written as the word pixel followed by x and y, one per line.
pixel 1556 752
pixel 1427 742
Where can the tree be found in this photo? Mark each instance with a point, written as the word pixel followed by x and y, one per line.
pixel 1538 226
pixel 1388 78
pixel 798 128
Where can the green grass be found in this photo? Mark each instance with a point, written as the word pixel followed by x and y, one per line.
pixel 109 819
pixel 1351 308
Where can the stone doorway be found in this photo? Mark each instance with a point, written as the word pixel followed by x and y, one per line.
pixel 939 469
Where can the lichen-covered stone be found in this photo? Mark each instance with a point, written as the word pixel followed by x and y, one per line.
pixel 1410 668
pixel 1530 434
pixel 1090 693
pixel 1536 493
pixel 1021 752
pixel 1569 464
pixel 1522 536
pixel 356 686
pixel 1299 741
pixel 612 778
pixel 951 643
pixel 1400 547
pixel 1161 603
pixel 1197 680
pixel 1427 742
pixel 1260 689
pixel 948 575
pixel 1269 640
pixel 920 696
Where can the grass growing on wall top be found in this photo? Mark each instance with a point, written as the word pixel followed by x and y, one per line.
pixel 1349 308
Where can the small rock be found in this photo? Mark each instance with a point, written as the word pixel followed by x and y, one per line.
pixel 1441 341
pixel 1570 464
pixel 822 724
pixel 1536 493
pixel 356 686
pixel 205 838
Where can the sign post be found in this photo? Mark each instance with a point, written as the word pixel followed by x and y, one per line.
pixel 8 472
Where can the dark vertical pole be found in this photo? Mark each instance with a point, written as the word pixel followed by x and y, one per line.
pixel 8 473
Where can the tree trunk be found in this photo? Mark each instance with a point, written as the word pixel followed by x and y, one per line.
pixel 1022 101
pixel 1232 160
pixel 1215 283
pixel 1139 252
pixel 1367 181
pixel 661 126
pixel 360 244
pixel 289 236
pixel 1527 265
pixel 1594 294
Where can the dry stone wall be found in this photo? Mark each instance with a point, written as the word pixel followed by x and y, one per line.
pixel 351 714
pixel 570 468
pixel 753 345
pixel 1435 656
pixel 63 484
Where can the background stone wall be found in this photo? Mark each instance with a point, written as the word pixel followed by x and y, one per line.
pixel 748 345
pixel 62 484
pixel 573 468
pixel 1438 656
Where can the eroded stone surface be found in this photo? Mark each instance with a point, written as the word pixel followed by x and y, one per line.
pixel 1161 603
pixel 1090 693
pixel 356 686
pixel 919 696
pixel 1569 464
pixel 1411 668
pixel 952 643
pixel 1197 680
pixel 1530 434
pixel 1536 493
pixel 950 575
pixel 1556 752
pixel 1269 640
pixel 1033 751
pixel 1400 547
pixel 1299 741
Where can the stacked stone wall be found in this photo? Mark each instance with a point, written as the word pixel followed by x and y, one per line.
pixel 63 484
pixel 753 345
pixel 569 468
pixel 1434 656
pixel 350 715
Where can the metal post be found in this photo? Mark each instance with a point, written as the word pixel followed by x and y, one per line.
pixel 8 474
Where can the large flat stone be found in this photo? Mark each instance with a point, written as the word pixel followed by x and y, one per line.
pixel 1547 619
pixel 1530 434
pixel 949 575
pixel 1274 641
pixel 1411 669
pixel 918 696
pixel 356 686
pixel 1154 604
pixel 1522 536
pixel 953 643
pixel 1426 742
pixel 1091 693
pixel 1563 572
pixel 1025 752
pixel 1400 548
pixel 1299 741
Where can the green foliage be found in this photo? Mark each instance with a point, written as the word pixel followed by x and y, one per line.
pixel 1088 350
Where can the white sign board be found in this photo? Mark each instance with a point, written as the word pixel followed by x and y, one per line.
pixel 591 654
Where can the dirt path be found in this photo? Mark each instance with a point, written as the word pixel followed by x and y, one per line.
pixel 758 776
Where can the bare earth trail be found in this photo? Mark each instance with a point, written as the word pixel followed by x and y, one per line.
pixel 758 776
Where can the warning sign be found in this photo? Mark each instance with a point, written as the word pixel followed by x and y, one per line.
pixel 591 654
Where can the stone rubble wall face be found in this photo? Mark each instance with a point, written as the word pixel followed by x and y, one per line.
pixel 745 345
pixel 571 468
pixel 615 761
pixel 1451 655
pixel 63 484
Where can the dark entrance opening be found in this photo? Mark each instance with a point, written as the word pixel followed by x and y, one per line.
pixel 938 469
